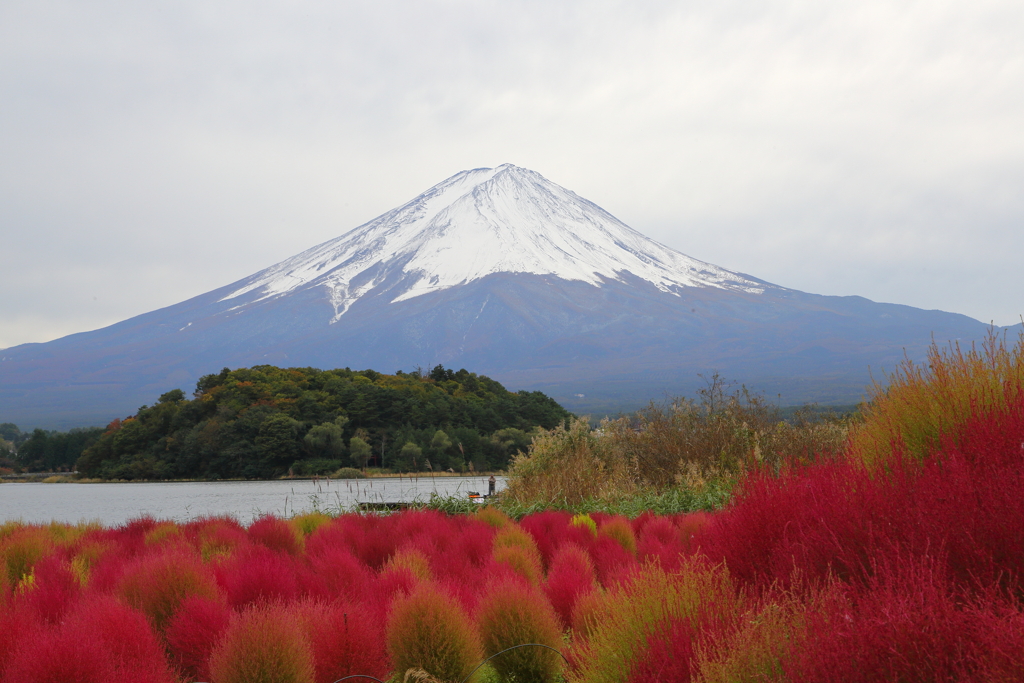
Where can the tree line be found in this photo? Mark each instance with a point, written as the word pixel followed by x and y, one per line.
pixel 43 450
pixel 265 421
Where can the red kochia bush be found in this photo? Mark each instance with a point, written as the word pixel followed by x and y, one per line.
pixel 336 573
pixel 157 584
pixel 193 633
pixel 571 576
pixel 346 639
pixel 669 655
pixel 908 624
pixel 54 589
pixel 277 534
pixel 841 518
pixel 101 641
pixel 258 574
pixel 660 541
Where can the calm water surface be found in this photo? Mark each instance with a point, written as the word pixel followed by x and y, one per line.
pixel 245 500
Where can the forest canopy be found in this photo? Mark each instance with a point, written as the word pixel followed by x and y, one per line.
pixel 265 421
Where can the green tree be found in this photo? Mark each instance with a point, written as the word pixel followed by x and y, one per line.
pixel 359 451
pixel 411 455
pixel 277 445
pixel 327 440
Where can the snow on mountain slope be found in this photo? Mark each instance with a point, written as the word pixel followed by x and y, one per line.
pixel 483 221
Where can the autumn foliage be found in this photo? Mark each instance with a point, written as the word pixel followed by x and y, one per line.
pixel 906 564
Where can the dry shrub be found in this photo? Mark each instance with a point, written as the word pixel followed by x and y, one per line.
pixel 568 465
pixel 514 614
pixel 682 444
pixel 265 643
pixel 428 630
pixel 921 405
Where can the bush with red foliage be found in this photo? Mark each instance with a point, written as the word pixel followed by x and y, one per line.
pixel 367 537
pixel 335 573
pixel 101 641
pixel 53 591
pixel 571 576
pixel 659 540
pixel 193 632
pixel 669 655
pixel 842 519
pixel 346 639
pixel 159 582
pixel 908 623
pixel 257 574
pixel 277 534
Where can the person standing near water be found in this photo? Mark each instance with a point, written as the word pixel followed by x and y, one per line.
pixel 490 486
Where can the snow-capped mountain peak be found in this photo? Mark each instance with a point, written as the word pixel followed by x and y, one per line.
pixel 481 222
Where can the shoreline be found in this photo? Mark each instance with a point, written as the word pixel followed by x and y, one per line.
pixel 66 478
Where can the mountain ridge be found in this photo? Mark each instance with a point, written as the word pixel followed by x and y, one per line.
pixel 504 273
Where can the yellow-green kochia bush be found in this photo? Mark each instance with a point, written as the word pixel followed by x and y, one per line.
pixel 429 630
pixel 512 613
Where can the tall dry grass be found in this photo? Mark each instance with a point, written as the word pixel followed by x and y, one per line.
pixel 920 405
pixel 685 444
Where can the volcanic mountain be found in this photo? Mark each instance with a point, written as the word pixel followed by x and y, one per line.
pixel 502 272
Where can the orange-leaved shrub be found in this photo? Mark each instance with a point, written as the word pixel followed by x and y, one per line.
pixel 265 643
pixel 494 517
pixel 520 561
pixel 429 630
pixel 510 614
pixel 412 559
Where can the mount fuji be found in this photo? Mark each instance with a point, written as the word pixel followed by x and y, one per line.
pixel 505 273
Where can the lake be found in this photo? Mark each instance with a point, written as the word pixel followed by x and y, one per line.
pixel 112 504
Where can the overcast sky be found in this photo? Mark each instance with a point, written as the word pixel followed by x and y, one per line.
pixel 152 151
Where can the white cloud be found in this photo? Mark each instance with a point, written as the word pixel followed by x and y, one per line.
pixel 159 150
